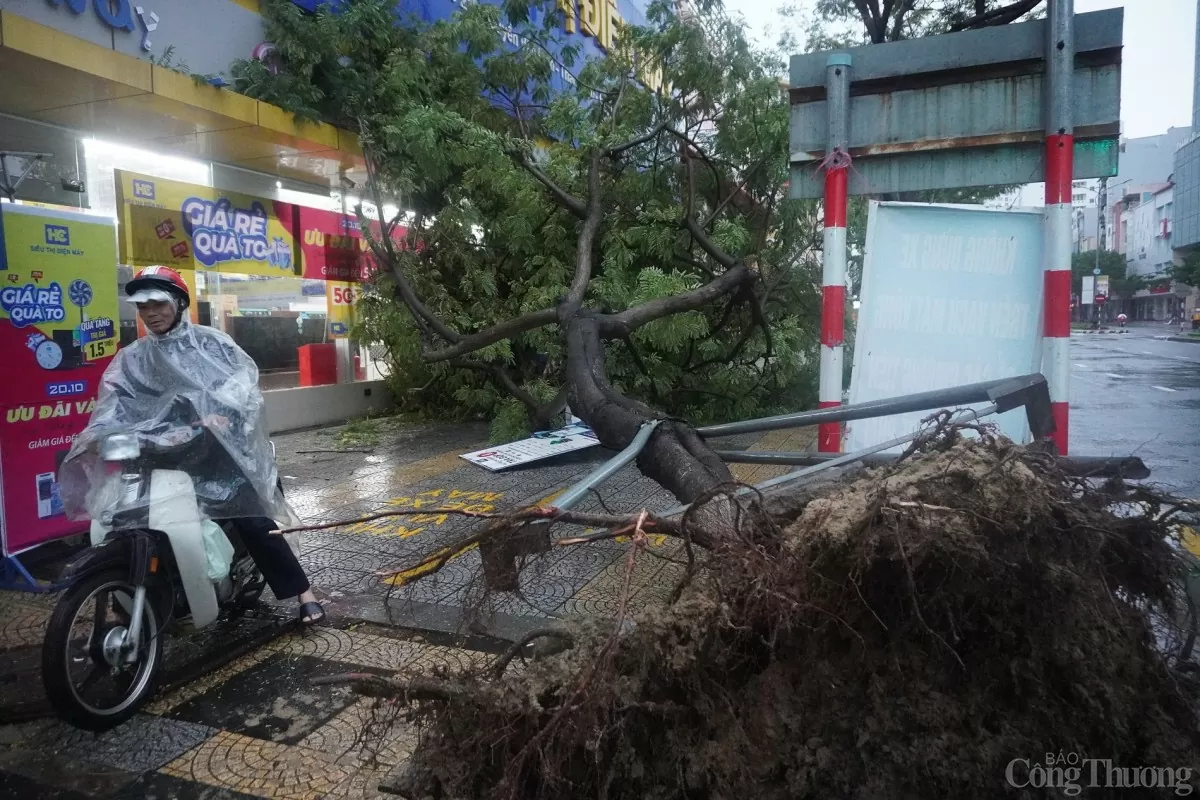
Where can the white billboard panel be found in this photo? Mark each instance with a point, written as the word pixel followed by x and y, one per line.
pixel 951 295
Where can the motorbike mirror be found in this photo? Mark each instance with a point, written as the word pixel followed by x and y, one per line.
pixel 120 447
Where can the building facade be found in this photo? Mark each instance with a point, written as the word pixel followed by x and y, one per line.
pixel 122 146
pixel 1185 234
pixel 92 88
pixel 1146 224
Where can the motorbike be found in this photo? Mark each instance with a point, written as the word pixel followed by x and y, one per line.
pixel 149 570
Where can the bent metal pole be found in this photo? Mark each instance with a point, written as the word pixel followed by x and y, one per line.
pixel 1060 168
pixel 833 283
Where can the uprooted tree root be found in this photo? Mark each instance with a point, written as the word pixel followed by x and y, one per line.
pixel 908 632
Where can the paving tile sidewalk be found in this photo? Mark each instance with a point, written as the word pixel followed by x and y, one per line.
pixel 345 562
pixel 256 727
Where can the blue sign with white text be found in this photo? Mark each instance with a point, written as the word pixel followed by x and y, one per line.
pixel 117 14
pixel 58 235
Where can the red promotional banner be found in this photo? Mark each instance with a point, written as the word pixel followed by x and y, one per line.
pixel 332 247
pixel 58 331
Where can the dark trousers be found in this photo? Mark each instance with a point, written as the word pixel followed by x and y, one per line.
pixel 274 558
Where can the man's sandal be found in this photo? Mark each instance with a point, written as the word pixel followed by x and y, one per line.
pixel 311 613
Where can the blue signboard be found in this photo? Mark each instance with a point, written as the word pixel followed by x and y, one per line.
pixel 951 295
pixel 589 25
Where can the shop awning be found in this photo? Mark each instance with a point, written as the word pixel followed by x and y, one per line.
pixel 53 77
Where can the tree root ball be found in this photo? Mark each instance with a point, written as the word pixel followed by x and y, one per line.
pixel 909 632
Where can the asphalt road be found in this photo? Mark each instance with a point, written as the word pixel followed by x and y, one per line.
pixel 1133 394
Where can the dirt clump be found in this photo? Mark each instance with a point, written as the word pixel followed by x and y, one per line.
pixel 908 633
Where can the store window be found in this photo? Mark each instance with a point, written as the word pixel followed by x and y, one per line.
pixel 273 264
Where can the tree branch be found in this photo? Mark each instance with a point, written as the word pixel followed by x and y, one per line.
pixel 541 417
pixel 693 263
pixel 565 199
pixel 385 251
pixel 464 345
pixel 898 21
pixel 708 245
pixel 501 376
pixel 584 253
pixel 998 16
pixel 406 690
pixel 633 318
pixel 725 202
pixel 868 20
pixel 516 647
pixel 759 312
pixel 613 152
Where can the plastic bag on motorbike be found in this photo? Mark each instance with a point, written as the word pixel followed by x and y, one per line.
pixel 218 550
pixel 187 400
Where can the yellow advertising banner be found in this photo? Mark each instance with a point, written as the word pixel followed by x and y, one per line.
pixel 59 328
pixel 189 227
pixel 59 272
pixel 340 298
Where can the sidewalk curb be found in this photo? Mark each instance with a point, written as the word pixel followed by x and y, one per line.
pixel 1187 339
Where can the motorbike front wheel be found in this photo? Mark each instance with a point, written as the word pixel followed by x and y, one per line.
pixel 91 679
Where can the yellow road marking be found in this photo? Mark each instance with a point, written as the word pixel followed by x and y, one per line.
pixel 424 568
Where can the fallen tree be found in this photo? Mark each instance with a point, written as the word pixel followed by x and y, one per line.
pixel 617 241
pixel 927 629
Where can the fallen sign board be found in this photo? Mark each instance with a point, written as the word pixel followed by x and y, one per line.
pixel 951 295
pixel 543 444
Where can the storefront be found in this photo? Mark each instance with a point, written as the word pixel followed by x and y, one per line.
pixel 1160 303
pixel 114 116
pixel 117 159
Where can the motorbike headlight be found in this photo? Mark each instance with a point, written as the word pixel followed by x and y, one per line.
pixel 120 447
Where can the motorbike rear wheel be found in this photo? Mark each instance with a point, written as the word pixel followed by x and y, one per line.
pixel 90 682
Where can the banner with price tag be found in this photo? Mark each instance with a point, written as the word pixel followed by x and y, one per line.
pixel 59 327
pixel 341 297
pixel 332 247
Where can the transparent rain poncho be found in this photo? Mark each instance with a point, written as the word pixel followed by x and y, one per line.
pixel 191 399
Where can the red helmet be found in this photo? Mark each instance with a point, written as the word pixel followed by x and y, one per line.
pixel 157 279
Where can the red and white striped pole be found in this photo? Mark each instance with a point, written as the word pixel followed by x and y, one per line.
pixel 1060 168
pixel 833 281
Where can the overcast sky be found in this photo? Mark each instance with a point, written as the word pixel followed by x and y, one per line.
pixel 1157 73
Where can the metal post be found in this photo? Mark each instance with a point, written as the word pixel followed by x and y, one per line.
pixel 833 283
pixel 573 495
pixel 1060 164
pixel 1026 390
pixel 845 458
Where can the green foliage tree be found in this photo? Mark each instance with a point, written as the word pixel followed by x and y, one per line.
pixel 1187 273
pixel 624 245
pixel 1120 283
pixel 845 23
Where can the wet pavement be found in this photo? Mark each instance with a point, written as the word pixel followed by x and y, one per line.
pixel 1139 394
pixel 239 716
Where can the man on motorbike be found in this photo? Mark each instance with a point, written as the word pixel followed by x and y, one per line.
pixel 202 371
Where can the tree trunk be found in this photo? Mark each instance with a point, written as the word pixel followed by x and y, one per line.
pixel 676 457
